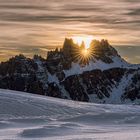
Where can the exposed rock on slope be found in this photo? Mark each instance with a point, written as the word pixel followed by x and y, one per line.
pixel 104 77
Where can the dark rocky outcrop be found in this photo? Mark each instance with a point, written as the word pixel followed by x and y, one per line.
pixel 49 77
pixel 75 89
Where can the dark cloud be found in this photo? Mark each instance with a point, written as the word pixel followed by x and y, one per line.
pixel 20 7
pixel 134 12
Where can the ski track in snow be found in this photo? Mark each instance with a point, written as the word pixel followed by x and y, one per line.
pixel 27 116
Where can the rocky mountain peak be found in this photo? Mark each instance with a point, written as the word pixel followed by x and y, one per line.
pixel 103 48
pixel 96 74
pixel 100 50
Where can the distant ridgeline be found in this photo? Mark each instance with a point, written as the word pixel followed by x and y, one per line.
pixel 97 74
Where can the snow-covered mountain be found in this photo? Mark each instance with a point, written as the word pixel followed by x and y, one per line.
pixel 27 116
pixel 102 76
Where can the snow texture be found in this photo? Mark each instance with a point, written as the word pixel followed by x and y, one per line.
pixel 28 116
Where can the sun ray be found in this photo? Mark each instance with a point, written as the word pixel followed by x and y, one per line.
pixel 85 52
pixel 83 56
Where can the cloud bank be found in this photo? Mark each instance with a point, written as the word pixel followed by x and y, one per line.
pixel 45 23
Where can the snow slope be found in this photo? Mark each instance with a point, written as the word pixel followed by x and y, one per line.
pixel 98 64
pixel 28 116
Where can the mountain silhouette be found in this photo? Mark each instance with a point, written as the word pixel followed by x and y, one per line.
pixel 100 75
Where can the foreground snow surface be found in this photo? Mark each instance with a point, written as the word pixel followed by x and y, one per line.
pixel 28 116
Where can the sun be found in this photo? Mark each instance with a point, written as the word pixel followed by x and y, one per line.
pixel 85 52
pixel 86 39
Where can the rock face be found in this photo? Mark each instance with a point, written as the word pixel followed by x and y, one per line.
pixel 103 51
pixel 102 78
pixel 132 91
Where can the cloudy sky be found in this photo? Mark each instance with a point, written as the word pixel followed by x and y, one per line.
pixel 36 26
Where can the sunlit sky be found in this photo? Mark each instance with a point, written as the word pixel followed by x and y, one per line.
pixel 36 26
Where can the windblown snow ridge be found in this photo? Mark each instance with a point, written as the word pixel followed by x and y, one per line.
pixel 27 116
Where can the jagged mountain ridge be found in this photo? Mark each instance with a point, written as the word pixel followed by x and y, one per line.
pixel 103 78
